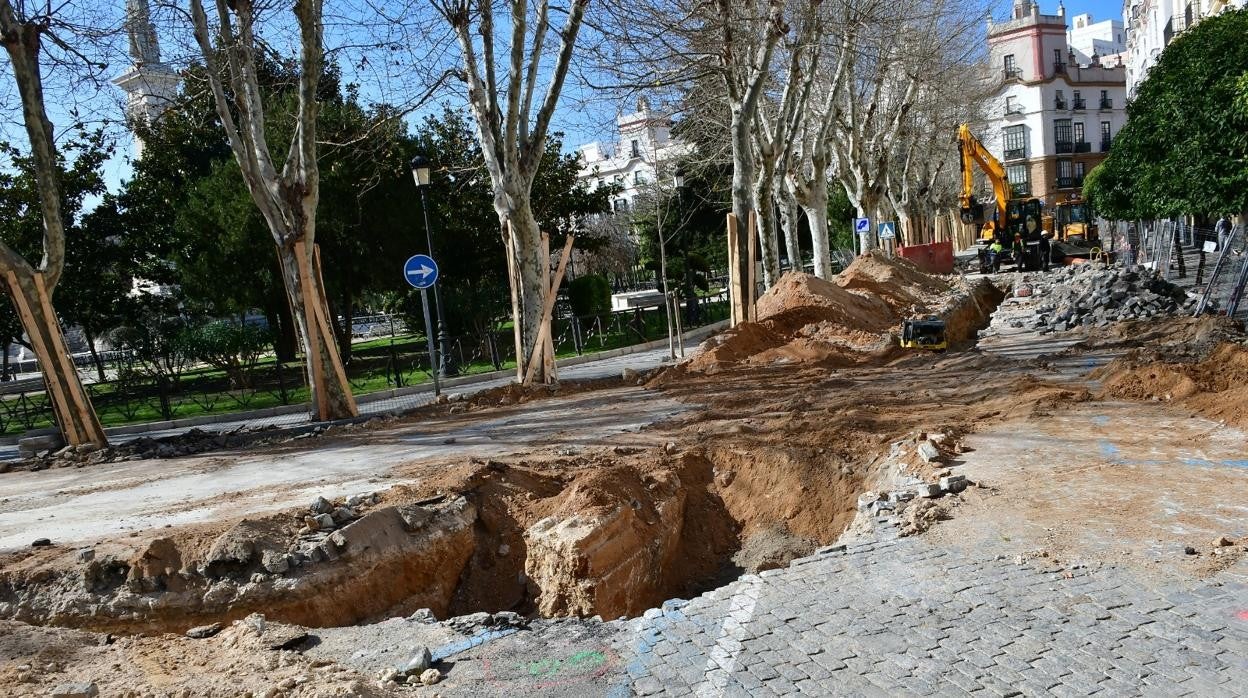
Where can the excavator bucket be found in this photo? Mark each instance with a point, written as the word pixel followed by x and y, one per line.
pixel 973 214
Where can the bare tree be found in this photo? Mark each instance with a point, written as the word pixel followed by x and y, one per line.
pixel 903 49
pixel 23 31
pixel 810 156
pixel 287 193
pixel 512 135
pixel 775 127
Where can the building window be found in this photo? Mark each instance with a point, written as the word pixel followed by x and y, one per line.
pixel 621 206
pixel 637 178
pixel 1079 174
pixel 1106 102
pixel 1011 67
pixel 1020 181
pixel 1059 101
pixel 1062 137
pixel 1015 142
pixel 1065 179
pixel 634 148
pixel 1012 106
pixel 1106 136
pixel 1078 102
pixel 1058 64
pixel 1081 144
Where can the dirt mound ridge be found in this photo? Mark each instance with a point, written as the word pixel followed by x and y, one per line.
pixel 1216 387
pixel 850 320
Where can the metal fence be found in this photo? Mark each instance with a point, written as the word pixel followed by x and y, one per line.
pixel 1210 263
pixel 137 395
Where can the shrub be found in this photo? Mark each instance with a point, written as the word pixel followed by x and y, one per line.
pixel 229 347
pixel 590 295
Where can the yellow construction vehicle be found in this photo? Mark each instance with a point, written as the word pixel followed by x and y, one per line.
pixel 1016 225
pixel 1075 221
pixel 927 333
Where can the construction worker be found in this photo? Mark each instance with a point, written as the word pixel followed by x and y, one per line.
pixel 994 255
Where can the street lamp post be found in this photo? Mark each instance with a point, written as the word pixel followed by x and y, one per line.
pixel 420 173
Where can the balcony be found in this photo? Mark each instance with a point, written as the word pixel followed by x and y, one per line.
pixel 1059 104
pixel 1105 144
pixel 1065 146
pixel 1107 104
pixel 1021 189
pixel 1013 110
pixel 1016 154
pixel 1059 67
pixel 1080 104
pixel 1083 147
pixel 1065 182
pixel 1013 73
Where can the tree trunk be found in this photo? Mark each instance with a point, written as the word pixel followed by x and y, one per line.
pixel 817 216
pixel 95 355
pixel 344 330
pixel 742 202
pixel 790 221
pixel 70 402
pixel 768 241
pixel 314 330
pixel 527 250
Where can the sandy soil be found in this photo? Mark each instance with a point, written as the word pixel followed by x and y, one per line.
pixel 610 501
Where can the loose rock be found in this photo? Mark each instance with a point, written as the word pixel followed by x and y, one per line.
pixel 430 676
pixel 420 661
pixel 76 690
pixel 203 631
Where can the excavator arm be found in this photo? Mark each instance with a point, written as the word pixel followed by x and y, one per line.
pixel 972 152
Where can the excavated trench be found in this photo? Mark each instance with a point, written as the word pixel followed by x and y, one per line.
pixel 611 535
pixel 609 532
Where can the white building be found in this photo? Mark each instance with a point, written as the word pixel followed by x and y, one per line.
pixel 1055 113
pixel 644 138
pixel 1152 24
pixel 150 85
pixel 1095 42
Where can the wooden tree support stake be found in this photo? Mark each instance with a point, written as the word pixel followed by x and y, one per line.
pixel 312 331
pixel 751 314
pixel 514 281
pixel 322 312
pixel 548 307
pixel 734 274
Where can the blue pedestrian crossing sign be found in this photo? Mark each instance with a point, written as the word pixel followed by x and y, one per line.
pixel 420 271
pixel 888 230
pixel 862 226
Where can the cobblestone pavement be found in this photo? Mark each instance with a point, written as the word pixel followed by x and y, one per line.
pixel 890 616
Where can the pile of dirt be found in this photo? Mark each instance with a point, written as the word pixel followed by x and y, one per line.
pixel 852 320
pixel 1182 338
pixel 1215 387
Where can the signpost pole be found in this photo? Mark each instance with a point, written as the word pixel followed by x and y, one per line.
pixel 433 352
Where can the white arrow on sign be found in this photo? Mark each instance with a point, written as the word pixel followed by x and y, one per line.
pixel 423 270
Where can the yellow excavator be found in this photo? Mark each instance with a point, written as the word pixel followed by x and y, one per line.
pixel 1017 223
pixel 1075 222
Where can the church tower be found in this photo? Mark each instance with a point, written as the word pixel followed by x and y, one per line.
pixel 150 85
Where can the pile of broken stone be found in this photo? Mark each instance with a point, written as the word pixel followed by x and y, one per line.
pixel 1094 295
pixel 910 487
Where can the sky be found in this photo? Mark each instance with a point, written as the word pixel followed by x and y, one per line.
pixel 584 115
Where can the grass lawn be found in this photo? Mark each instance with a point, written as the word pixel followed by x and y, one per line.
pixel 206 391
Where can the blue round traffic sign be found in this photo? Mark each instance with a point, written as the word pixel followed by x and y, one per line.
pixel 420 271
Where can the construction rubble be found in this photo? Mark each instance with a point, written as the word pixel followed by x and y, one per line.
pixel 1090 295
pixel 774 446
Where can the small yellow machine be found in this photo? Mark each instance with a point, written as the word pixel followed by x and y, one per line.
pixel 924 333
